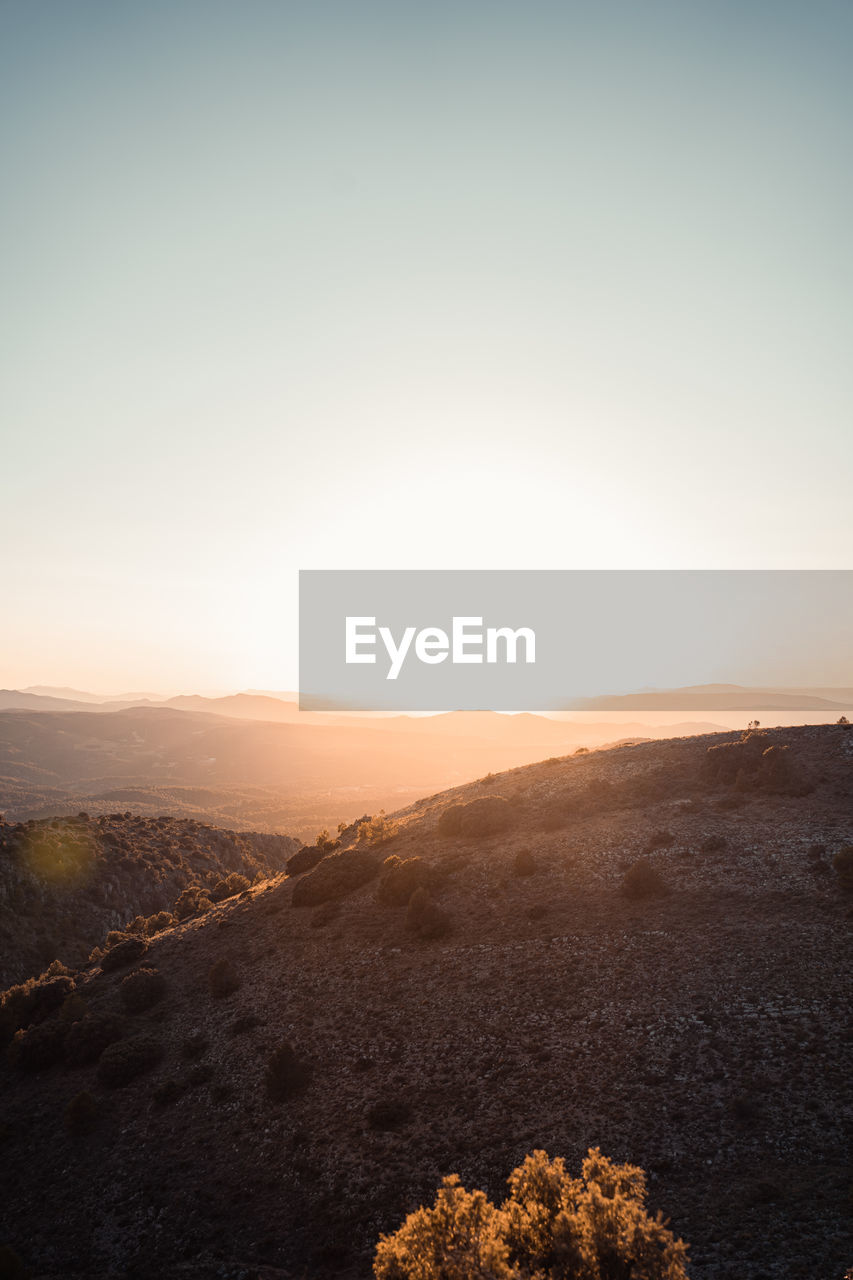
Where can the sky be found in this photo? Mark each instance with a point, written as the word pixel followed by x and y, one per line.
pixel 393 285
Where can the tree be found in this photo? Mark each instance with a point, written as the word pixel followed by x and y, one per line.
pixel 551 1227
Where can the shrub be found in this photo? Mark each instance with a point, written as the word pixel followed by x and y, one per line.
pixel 123 1061
pixel 400 878
pixel 595 1227
pixel 192 902
pixel 81 1115
pixel 126 952
pixel 660 840
pixel 230 886
pixel 336 876
pixel 286 1074
pixel 843 864
pixel 425 917
pixel 642 881
pixel 30 1001
pixel 751 765
pixel 223 979
pixel 304 859
pixel 482 817
pixel 377 830
pixel 388 1114
pixel 90 1036
pixel 38 1047
pixel 142 989
pixel 158 922
pixel 524 863
pixel 460 1238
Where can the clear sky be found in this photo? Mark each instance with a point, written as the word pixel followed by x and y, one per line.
pixel 347 284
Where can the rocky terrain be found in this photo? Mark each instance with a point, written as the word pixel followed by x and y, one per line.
pixel 66 882
pixel 644 949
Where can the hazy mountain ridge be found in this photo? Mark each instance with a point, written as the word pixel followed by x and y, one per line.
pixel 294 777
pixel 699 1033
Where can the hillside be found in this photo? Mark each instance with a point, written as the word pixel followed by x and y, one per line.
pixel 65 883
pixel 700 1031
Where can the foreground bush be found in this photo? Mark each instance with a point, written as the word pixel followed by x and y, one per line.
pixel 552 1227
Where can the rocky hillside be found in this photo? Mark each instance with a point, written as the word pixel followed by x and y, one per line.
pixel 644 949
pixel 65 883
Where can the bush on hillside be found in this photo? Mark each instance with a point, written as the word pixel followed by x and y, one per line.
pixel 642 881
pixel 38 1047
pixel 142 989
pixel 524 863
pixel 336 876
pixel 286 1074
pixel 192 902
pixel 123 953
pixel 90 1036
pixel 304 859
pixel 425 917
pixel 595 1227
pixel 400 878
pixel 231 885
pixel 223 978
pixel 843 864
pixel 123 1061
pixel 32 1000
pixel 377 830
pixel 751 764
pixel 482 817
pixel 157 923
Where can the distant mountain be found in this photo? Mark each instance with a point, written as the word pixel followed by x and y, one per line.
pixel 719 698
pixel 80 695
